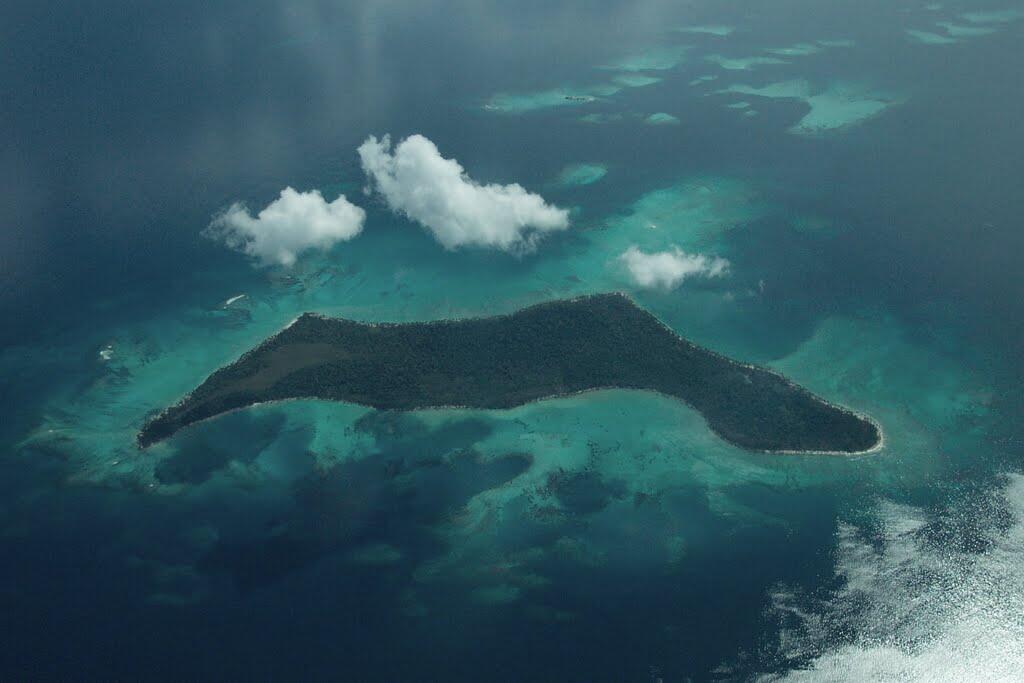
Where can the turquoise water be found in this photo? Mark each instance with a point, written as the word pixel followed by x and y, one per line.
pixel 606 536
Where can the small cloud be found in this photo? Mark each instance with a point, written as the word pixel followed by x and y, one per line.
pixel 415 180
pixel 666 269
pixel 293 223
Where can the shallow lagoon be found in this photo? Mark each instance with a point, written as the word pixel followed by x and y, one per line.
pixel 582 174
pixel 837 107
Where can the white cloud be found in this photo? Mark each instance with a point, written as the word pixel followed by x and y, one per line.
pixel 288 226
pixel 667 269
pixel 415 180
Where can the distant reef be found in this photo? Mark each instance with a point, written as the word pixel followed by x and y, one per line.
pixel 552 349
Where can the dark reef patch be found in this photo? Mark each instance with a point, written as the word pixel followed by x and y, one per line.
pixel 583 493
pixel 378 499
pixel 552 349
pixel 201 453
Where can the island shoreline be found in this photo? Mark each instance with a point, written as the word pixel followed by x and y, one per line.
pixel 269 343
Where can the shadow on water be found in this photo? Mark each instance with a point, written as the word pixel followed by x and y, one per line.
pixel 202 452
pixel 413 480
pixel 586 492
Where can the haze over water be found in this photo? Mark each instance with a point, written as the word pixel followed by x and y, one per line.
pixel 857 165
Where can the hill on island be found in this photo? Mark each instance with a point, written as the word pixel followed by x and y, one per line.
pixel 548 350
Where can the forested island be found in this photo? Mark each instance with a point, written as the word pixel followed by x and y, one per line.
pixel 547 350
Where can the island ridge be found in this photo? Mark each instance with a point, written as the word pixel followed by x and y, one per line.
pixel 551 349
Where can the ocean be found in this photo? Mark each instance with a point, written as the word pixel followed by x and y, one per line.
pixel 858 166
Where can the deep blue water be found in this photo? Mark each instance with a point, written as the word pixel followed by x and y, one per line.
pixel 312 542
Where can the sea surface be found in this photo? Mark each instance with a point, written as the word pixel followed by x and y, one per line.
pixel 859 165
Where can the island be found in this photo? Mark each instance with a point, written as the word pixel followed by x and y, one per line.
pixel 553 349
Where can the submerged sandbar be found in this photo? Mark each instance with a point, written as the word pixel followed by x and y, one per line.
pixel 548 350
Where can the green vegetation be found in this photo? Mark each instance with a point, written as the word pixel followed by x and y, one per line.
pixel 551 349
